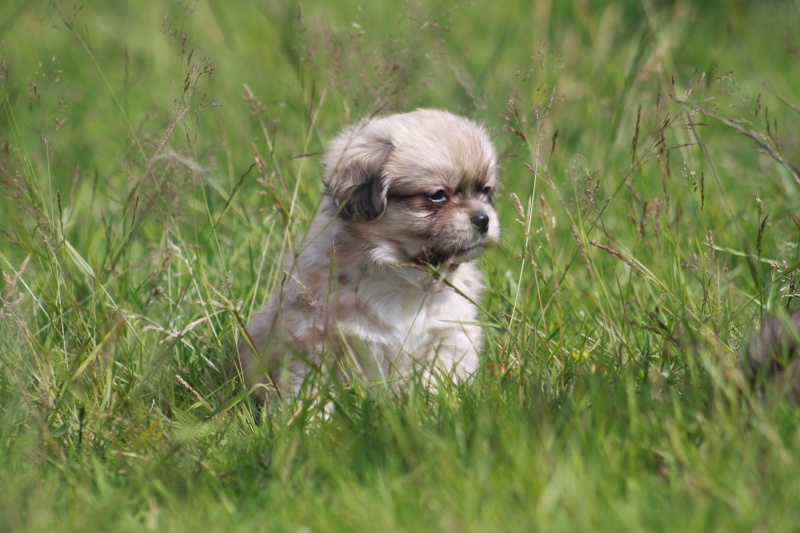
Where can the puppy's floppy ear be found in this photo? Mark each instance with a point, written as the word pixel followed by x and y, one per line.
pixel 352 171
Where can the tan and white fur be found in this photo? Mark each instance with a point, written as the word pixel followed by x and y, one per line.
pixel 385 280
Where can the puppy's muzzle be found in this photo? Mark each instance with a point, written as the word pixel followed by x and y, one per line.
pixel 480 220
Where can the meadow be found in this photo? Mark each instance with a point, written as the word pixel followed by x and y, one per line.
pixel 159 160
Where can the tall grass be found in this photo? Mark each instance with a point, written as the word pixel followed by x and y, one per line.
pixel 158 162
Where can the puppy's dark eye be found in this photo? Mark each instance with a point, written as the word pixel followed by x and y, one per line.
pixel 487 191
pixel 438 196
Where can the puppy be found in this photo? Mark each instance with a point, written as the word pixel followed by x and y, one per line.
pixel 384 283
pixel 772 356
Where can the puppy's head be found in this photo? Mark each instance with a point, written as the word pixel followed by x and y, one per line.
pixel 416 187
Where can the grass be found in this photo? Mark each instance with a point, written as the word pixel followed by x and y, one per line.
pixel 158 161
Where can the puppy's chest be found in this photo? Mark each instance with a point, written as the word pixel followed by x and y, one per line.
pixel 397 317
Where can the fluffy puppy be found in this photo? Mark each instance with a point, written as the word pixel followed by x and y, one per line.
pixel 385 279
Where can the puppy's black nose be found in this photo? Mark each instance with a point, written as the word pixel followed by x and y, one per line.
pixel 480 220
